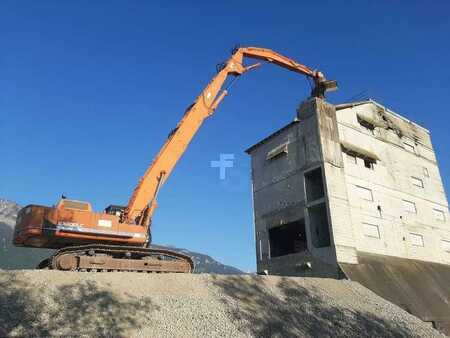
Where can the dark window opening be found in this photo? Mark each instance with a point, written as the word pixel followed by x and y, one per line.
pixel 354 150
pixel 314 185
pixel 318 221
pixel 287 239
pixel 369 163
pixel 115 209
pixel 367 125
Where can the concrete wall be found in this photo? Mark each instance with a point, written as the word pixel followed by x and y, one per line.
pixel 279 196
pixel 367 208
pixel 342 227
pixel 382 200
pixel 395 204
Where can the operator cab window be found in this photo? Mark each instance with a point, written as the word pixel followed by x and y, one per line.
pixel 115 210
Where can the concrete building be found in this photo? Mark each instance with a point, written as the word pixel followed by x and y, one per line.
pixel 354 191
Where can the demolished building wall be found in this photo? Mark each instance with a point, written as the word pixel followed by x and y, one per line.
pixel 398 201
pixel 351 186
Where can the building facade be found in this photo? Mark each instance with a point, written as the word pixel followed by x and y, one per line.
pixel 353 190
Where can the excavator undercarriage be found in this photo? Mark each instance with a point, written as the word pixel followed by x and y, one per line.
pixel 109 258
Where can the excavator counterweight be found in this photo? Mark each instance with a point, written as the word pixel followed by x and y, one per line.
pixel 118 239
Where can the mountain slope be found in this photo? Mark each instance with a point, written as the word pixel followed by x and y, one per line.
pixel 205 263
pixel 8 212
pixel 12 257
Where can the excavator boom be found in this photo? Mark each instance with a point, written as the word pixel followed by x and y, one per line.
pixel 143 200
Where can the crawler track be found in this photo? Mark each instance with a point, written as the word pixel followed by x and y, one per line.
pixel 109 258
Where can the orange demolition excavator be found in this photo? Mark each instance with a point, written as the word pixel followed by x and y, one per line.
pixel 118 239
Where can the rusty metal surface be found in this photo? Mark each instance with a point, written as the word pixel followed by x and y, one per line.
pixel 106 258
pixel 421 288
pixel 58 227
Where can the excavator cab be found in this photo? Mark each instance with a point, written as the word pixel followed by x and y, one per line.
pixel 117 210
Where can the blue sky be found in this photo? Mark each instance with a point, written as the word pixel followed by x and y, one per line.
pixel 89 91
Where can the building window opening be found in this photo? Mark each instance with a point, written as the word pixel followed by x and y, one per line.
pixel 416 239
pixel 409 147
pixel 288 239
pixel 369 163
pixel 445 245
pixel 417 182
pixel 277 152
pixel 365 193
pixel 314 185
pixel 371 230
pixel 439 215
pixel 320 228
pixel 366 155
pixel 366 125
pixel 409 206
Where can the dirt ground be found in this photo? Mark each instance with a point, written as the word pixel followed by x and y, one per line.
pixel 52 303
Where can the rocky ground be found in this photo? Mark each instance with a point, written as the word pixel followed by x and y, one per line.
pixel 53 303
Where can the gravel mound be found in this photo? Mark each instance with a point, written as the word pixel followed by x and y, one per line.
pixel 52 303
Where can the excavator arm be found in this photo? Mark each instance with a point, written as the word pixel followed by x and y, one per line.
pixel 143 200
pixel 115 239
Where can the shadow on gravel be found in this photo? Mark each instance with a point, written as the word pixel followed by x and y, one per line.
pixel 297 311
pixel 71 310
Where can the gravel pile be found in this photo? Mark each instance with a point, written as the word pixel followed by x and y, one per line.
pixel 52 303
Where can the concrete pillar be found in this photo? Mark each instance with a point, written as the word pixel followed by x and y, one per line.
pixel 321 115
